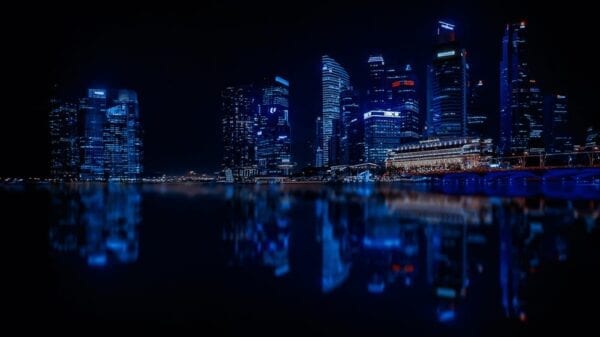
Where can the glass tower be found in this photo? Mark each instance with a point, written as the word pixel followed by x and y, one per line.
pixel 239 126
pixel 64 139
pixel 477 116
pixel 93 109
pixel 334 79
pixel 556 124
pixel 376 92
pixel 406 101
pixel 520 99
pixel 447 86
pixel 273 151
pixel 381 134
pixel 352 142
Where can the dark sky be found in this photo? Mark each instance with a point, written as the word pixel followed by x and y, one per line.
pixel 178 59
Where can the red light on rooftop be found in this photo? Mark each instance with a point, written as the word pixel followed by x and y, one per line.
pixel 409 268
pixel 409 83
pixel 395 84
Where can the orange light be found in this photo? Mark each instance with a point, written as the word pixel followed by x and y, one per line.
pixel 395 84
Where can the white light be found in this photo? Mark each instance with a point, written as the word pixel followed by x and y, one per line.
pixel 446 53
pixel 446 25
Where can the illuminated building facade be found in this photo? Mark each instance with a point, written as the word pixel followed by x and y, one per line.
pixel 64 139
pixel 521 103
pixel 441 155
pixel 334 80
pixel 382 130
pixel 406 101
pixel 353 140
pixel 239 107
pixel 273 142
pixel 556 124
pixel 93 110
pixel 447 86
pixel 477 116
pixel 318 142
pixel 376 92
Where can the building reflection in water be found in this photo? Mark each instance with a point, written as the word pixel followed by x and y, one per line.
pixel 401 237
pixel 257 229
pixel 99 222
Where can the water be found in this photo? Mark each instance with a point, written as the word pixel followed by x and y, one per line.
pixel 422 259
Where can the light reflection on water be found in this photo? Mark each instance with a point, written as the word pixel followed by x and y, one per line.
pixel 376 240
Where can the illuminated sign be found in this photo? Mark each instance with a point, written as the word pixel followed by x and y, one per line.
pixel 281 80
pixel 561 96
pixel 446 25
pixel 446 53
pixel 406 83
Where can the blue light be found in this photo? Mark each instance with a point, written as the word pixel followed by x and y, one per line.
pixel 97 260
pixel 281 80
pixel 446 315
pixel 446 53
pixel 446 292
pixel 376 288
pixel 446 25
pixel 282 270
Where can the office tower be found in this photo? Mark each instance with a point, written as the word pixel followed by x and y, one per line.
pixel 376 92
pixel 64 139
pixel 273 143
pixel 536 118
pixel 334 79
pixel 447 86
pixel 477 125
pixel 381 134
pixel 520 98
pixel 239 107
pixel 93 112
pixel 592 138
pixel 556 124
pixel 122 138
pixel 392 74
pixel 406 101
pixel 352 128
pixel 318 142
pixel 335 143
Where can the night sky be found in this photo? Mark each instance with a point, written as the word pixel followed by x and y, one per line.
pixel 178 59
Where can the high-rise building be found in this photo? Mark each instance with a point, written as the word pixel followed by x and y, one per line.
pixel 335 143
pixel 382 130
pixel 64 139
pixel 557 133
pixel 318 142
pixel 477 116
pixel 122 138
pixel 447 86
pixel 536 118
pixel 93 110
pixel 520 98
pixel 334 79
pixel 352 142
pixel 376 92
pixel 273 142
pixel 239 108
pixel 406 101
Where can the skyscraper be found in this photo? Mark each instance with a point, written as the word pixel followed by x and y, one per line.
pixel 376 92
pixel 64 139
pixel 406 101
pixel 520 99
pixel 477 125
pixel 381 134
pixel 334 79
pixel 556 124
pixel 122 138
pixel 352 142
pixel 273 143
pixel 447 86
pixel 93 109
pixel 318 142
pixel 239 107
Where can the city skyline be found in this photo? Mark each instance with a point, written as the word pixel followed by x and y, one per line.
pixel 183 147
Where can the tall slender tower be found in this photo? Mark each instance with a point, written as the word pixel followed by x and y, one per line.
pixel 447 85
pixel 334 79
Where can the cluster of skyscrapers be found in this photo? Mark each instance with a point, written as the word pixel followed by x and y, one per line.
pixel 256 130
pixel 364 126
pixel 98 137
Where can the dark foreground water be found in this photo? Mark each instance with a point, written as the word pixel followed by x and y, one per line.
pixel 345 260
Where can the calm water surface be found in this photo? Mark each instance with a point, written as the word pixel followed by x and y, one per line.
pixel 449 259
